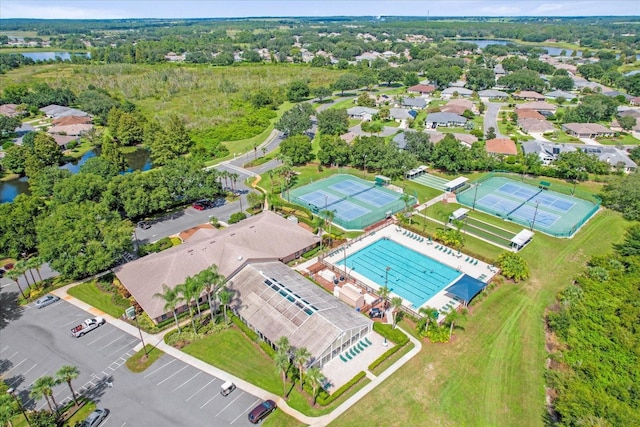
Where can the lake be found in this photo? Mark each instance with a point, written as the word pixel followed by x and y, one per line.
pixel 138 160
pixel 52 56
pixel 553 51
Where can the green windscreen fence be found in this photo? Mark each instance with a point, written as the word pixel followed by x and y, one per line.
pixel 533 204
pixel 354 202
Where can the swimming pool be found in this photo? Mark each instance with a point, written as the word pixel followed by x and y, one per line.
pixel 409 274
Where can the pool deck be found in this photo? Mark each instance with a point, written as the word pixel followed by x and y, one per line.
pixel 442 301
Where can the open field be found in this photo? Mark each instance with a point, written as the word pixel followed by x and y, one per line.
pixel 492 373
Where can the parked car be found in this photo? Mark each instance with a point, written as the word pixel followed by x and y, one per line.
pixel 199 206
pixel 87 326
pixel 375 312
pixel 261 411
pixel 46 300
pixel 95 418
pixel 144 225
pixel 227 388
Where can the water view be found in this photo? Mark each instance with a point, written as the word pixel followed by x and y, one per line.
pixel 138 160
pixel 53 56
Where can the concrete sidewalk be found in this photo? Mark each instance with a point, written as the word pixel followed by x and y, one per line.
pixel 157 341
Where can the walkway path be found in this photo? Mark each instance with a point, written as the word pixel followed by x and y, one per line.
pixel 157 341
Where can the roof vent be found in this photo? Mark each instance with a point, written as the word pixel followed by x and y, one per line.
pixel 239 257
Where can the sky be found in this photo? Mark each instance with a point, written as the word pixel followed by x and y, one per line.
pixel 87 9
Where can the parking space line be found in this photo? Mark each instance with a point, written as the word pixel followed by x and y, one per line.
pixel 4 349
pixel 166 364
pixel 197 373
pixel 229 404
pixel 103 347
pixel 205 403
pixel 201 388
pixel 15 366
pixel 123 347
pixel 175 373
pixel 245 411
pixel 76 320
pixel 13 355
pixel 21 376
pixel 103 336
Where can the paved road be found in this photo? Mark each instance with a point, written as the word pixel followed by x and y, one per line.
pixel 170 393
pixel 491 117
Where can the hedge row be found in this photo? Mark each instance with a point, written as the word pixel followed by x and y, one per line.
pixel 339 392
pixel 388 332
pixel 387 354
pixel 250 333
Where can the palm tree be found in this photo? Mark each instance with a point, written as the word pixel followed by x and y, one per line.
pixel 13 275
pixel 225 296
pixel 211 280
pixel 171 299
pixel 67 374
pixel 196 287
pixel 384 294
pixel 23 267
pixel 43 387
pixel 300 357
pixel 396 303
pixel 234 178
pixel 315 378
pixel 282 364
pixel 430 315
pixel 8 409
pixel 186 295
pixel 282 345
pixel 329 216
pixel 35 263
pixel 406 199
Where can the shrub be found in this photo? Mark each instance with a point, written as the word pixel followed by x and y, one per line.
pixel 388 332
pixel 339 392
pixel 237 217
pixel 385 356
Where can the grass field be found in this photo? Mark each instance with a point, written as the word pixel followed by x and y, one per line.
pixel 92 295
pixel 492 373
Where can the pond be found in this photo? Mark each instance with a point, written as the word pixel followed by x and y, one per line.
pixel 138 160
pixel 53 56
pixel 553 51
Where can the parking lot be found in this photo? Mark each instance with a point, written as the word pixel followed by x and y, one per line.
pixel 38 342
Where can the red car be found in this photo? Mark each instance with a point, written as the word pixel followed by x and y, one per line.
pixel 261 411
pixel 198 206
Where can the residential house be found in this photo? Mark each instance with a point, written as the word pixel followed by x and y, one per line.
pixel 174 57
pixel 361 113
pixel 549 151
pixel 24 129
pixel 63 140
pixel 451 92
pixel 528 95
pixel 493 94
pixel 586 130
pixel 444 119
pixel 71 120
pixel 498 71
pixel 348 137
pixel 414 103
pixel 455 109
pixel 501 146
pixel 635 101
pixel 541 107
pixel 529 114
pixel 560 93
pixel 435 137
pixel 402 114
pixel 10 110
pixel 535 126
pixel 56 111
pixel 72 130
pixel 422 89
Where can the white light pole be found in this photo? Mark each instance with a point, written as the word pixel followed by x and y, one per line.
pixel 12 392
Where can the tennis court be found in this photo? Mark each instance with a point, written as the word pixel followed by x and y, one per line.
pixel 356 203
pixel 545 210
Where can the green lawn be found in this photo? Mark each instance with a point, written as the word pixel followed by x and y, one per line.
pixel 88 292
pixel 492 373
pixel 622 139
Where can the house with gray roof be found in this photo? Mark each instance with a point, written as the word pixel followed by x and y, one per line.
pixel 56 111
pixel 493 94
pixel 444 119
pixel 450 92
pixel 549 152
pixel 400 114
pixel 560 93
pixel 415 103
pixel 535 126
pixel 361 113
pixel 276 301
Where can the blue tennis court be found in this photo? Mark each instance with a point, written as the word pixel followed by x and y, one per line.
pixel 320 199
pixel 350 187
pixel 407 273
pixel 357 203
pixel 530 205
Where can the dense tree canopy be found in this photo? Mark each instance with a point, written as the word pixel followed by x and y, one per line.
pixel 333 121
pixel 623 195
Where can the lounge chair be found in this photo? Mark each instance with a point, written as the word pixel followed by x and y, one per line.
pixel 475 263
pixel 361 347
pixel 367 340
pixel 348 355
pixel 466 260
pixel 353 352
pixel 437 247
pixel 344 359
pixel 450 252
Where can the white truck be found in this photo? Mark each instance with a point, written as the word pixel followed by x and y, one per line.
pixel 87 326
